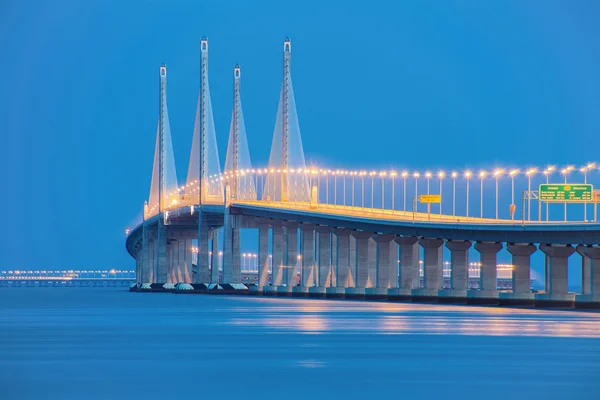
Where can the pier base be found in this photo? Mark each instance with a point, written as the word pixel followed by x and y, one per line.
pixel 563 300
pixel 452 296
pixel 488 297
pixel 397 294
pixel 516 299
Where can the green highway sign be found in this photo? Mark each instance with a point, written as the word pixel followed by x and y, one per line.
pixel 566 193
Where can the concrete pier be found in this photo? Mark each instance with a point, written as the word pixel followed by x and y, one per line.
pixel 291 231
pixel 557 293
pixel 521 275
pixel 214 260
pixel 202 266
pixel 277 253
pixel 342 261
pixel 459 279
pixel 162 256
pixel 144 277
pixel 488 274
pixel 362 258
pixel 263 254
pixel 326 276
pixel 384 278
pixel 432 268
pixel 308 255
pixel 590 295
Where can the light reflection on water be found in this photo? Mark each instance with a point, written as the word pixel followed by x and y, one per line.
pixel 70 343
pixel 322 316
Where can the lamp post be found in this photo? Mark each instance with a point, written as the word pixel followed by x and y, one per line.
pixel 547 172
pixel 468 175
pixel 565 172
pixel 372 174
pixel 497 174
pixel 362 174
pixel 529 174
pixel 382 175
pixel 585 171
pixel 512 174
pixel 441 175
pixel 353 175
pixel 344 174
pixel 393 175
pixel 454 174
pixel 481 176
pixel 404 175
pixel 335 174
pixel 416 176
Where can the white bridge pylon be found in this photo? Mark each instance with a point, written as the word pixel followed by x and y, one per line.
pixel 204 165
pixel 284 183
pixel 238 165
pixel 164 190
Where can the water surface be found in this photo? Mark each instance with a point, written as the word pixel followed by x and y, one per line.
pixel 85 343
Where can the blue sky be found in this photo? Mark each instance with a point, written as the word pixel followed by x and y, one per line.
pixel 421 85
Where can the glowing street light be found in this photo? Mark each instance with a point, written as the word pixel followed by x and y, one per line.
pixel 468 175
pixel 585 170
pixel 565 172
pixel 482 175
pixel 393 175
pixel 454 175
pixel 382 175
pixel 416 176
pixel 512 175
pixel 372 174
pixel 497 174
pixel 441 175
pixel 547 172
pixel 530 172
pixel 404 175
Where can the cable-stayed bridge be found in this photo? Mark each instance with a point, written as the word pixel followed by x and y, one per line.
pixel 356 233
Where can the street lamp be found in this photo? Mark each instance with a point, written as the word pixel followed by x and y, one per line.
pixel 565 172
pixel 454 174
pixel 428 176
pixel 362 186
pixel 482 175
pixel 416 176
pixel 393 175
pixel 529 174
pixel 441 175
pixel 547 172
pixel 404 175
pixel 372 174
pixel 497 174
pixel 468 175
pixel 585 171
pixel 382 175
pixel 512 174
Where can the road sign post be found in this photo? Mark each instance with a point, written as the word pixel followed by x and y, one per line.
pixel 428 199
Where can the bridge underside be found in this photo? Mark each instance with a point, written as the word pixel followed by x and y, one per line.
pixel 358 256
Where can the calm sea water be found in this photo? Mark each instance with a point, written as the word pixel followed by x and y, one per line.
pixel 84 343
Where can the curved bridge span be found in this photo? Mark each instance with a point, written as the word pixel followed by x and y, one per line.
pixel 357 233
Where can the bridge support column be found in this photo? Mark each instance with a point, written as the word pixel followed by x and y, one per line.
pixel 342 261
pixel 590 277
pixel 362 259
pixel 459 278
pixel 214 258
pixel 171 261
pixel 138 264
pixel 291 273
pixel 202 266
pixel 372 275
pixel 277 256
pixel 586 270
pixel 145 267
pixel 521 280
pixel 326 275
pixel 432 268
pixel 162 256
pixel 353 263
pixel 488 274
pixel 227 247
pixel 308 256
pixel 408 268
pixel 263 255
pixel 385 279
pixel 557 262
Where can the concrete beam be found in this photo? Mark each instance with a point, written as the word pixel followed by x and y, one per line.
pixel 277 253
pixel 409 262
pixel 326 275
pixel 362 258
pixel 308 255
pixel 384 279
pixel 291 274
pixel 263 255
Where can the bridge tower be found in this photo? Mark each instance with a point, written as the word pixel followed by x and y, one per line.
pixel 288 178
pixel 287 82
pixel 237 162
pixel 203 184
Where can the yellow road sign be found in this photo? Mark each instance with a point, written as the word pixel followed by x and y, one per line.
pixel 430 198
